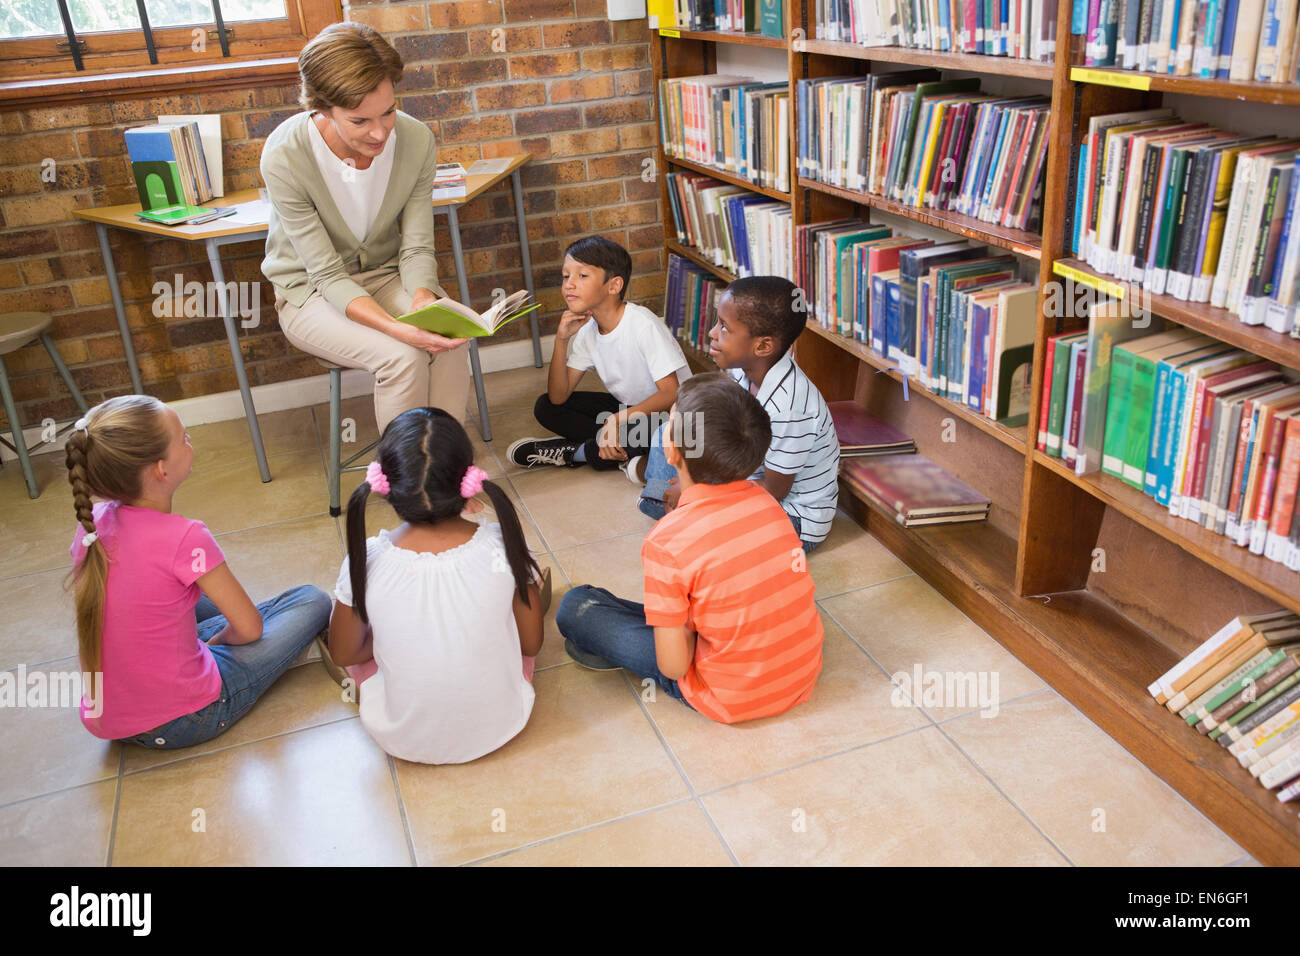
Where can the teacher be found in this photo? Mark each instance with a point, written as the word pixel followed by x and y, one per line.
pixel 350 238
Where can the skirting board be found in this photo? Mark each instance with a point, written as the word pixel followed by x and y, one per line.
pixel 301 392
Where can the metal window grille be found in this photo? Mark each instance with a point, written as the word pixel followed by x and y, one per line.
pixel 75 44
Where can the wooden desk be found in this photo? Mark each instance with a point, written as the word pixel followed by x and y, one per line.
pixel 220 232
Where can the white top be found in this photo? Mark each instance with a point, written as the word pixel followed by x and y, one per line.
pixel 450 685
pixel 358 193
pixel 804 444
pixel 630 359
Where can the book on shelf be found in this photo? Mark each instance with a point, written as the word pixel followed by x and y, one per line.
pixel 455 320
pixel 862 435
pixel 1025 29
pixel 915 490
pixel 170 166
pixel 765 17
pixel 737 230
pixel 691 301
pixel 729 123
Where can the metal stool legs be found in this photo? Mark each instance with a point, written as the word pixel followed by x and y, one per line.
pixel 15 426
pixel 337 464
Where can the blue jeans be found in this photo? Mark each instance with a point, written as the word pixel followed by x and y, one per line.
pixel 289 623
pixel 658 473
pixel 609 627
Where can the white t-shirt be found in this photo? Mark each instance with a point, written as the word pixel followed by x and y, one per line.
pixel 630 359
pixel 358 193
pixel 450 685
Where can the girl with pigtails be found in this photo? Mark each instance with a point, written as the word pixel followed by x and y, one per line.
pixel 182 650
pixel 441 618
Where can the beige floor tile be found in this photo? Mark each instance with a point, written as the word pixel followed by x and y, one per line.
pixel 220 443
pixel 43 749
pixel 40 621
pixel 233 497
pixel 910 801
pixel 906 622
pixel 303 697
pixel 509 425
pixel 613 564
pixel 1071 779
pixel 850 705
pixel 319 797
pixel 514 388
pixel 257 557
pixel 552 640
pixel 51 472
pixel 574 506
pixel 37 533
pixel 588 755
pixel 850 558
pixel 64 829
pixel 679 835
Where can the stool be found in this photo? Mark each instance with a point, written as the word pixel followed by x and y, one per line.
pixel 18 329
pixel 335 465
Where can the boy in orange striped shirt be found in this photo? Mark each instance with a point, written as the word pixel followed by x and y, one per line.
pixel 729 626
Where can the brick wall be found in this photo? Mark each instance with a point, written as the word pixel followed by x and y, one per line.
pixel 570 87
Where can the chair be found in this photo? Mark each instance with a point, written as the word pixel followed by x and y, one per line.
pixel 335 465
pixel 18 329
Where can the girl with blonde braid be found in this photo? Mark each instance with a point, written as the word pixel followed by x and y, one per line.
pixel 183 651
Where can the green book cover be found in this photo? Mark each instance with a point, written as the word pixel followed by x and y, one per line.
pixel 1138 432
pixel 158 183
pixel 1237 717
pixel 180 214
pixel 1172 201
pixel 1121 379
pixel 772 18
pixel 1256 666
pixel 923 90
pixel 1221 695
pixel 456 321
pixel 1060 383
pixel 843 276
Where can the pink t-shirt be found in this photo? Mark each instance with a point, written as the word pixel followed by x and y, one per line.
pixel 155 667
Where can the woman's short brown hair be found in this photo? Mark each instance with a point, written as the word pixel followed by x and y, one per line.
pixel 343 64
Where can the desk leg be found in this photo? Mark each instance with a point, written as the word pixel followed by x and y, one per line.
pixel 527 262
pixel 110 270
pixel 453 222
pixel 232 336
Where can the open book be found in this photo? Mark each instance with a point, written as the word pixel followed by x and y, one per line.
pixel 458 321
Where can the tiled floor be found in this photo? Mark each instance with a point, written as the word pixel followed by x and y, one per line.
pixel 605 772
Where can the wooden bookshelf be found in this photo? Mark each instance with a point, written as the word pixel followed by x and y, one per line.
pixel 686 252
pixel 726 177
pixel 1026 574
pixel 726 36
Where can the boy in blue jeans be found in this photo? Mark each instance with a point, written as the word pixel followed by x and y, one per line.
pixel 757 324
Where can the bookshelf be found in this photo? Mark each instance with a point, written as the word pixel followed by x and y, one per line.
pixel 1029 575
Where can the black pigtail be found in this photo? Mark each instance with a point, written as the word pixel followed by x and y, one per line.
pixel 356 525
pixel 522 563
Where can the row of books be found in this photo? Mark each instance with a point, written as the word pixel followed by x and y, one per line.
pixel 1241 688
pixel 1192 211
pixel 766 17
pixel 927 143
pixel 691 301
pixel 731 123
pixel 1224 39
pixel 1208 430
pixel 170 165
pixel 740 231
pixel 1018 28
pixel 951 315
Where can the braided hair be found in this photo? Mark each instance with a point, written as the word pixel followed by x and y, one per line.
pixel 106 457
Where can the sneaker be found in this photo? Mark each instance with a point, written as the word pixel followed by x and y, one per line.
pixel 634 468
pixel 589 661
pixel 531 452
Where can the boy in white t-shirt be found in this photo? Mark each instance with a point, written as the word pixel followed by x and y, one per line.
pixel 632 351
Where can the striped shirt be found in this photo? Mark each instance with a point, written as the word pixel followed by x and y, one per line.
pixel 727 562
pixel 804 444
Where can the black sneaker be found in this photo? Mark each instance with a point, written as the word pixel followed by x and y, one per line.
pixel 531 452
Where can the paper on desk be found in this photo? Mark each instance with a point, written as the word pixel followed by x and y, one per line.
pixel 255 213
pixel 489 167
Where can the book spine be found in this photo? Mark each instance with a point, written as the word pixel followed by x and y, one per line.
pixel 1159 428
pixel 1121 379
pixel 1074 398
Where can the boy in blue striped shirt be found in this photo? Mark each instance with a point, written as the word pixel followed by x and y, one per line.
pixel 758 321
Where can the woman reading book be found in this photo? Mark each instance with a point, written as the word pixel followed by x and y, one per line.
pixel 350 239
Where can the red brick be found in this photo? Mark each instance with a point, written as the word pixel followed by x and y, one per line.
pixel 564 226
pixel 393 19
pixel 471 72
pixel 79 235
pixel 474 129
pixel 232 126
pixel 585 143
pixel 62 117
pixel 30 388
pixel 465 154
pixel 20 150
pixel 222 101
pixel 437 106
pixel 536 202
pixel 537 9
pixel 618 113
pixel 636 137
pixel 262 124
pixel 504 40
pixel 586 9
pixel 616 58
pixel 510 96
pixel 102 141
pixel 503 147
pixel 645 237
pixel 640 189
pixel 548 121
pixel 539 147
pixel 618 166
pixel 464 13
pixel 56 207
pixel 11 277
pixel 584 197
pixel 431 46
pixel 599 87
pixel 11 122
pixel 548 174
pixel 148 109
pixel 631 31
pixel 627 215
pixel 632 82
pixel 22 181
pixel 205 383
pixel 240 156
pixel 588 33
pixel 538 252
pixel 284 93
pixel 543 64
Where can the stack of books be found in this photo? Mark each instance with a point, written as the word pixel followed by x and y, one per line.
pixel 766 17
pixel 1224 39
pixel 449 181
pixel 928 144
pixel 1208 430
pixel 1191 211
pixel 861 435
pixel 169 165
pixel 731 123
pixel 691 301
pixel 740 231
pixel 1020 28
pixel 1241 688
pixel 915 490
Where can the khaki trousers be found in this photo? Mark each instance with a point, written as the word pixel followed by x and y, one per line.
pixel 405 377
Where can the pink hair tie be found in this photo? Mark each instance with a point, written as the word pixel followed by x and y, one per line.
pixel 472 483
pixel 378 481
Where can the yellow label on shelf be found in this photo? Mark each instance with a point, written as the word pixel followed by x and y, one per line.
pixel 1129 81
pixel 1112 289
pixel 670 33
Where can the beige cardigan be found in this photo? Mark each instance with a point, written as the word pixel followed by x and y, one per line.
pixel 308 245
